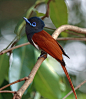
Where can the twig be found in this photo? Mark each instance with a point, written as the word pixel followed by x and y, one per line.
pixel 11 42
pixel 5 51
pixel 68 27
pixel 7 91
pixel 71 38
pixel 47 10
pixel 75 89
pixel 69 32
pixel 37 4
pixel 12 46
pixel 74 33
pixel 50 28
pixel 22 79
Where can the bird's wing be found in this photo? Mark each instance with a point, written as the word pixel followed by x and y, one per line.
pixel 63 50
pixel 48 44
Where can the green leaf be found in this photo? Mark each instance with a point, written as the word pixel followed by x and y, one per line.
pixel 1 96
pixel 39 14
pixel 23 60
pixel 47 81
pixel 4 66
pixel 40 1
pixel 58 12
pixel 64 34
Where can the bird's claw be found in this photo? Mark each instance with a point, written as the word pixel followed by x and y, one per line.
pixel 43 54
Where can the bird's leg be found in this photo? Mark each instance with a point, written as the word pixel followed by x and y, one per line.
pixel 43 54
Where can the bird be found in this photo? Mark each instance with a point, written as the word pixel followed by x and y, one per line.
pixel 43 41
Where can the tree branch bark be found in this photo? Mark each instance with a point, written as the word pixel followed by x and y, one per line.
pixel 68 27
pixel 71 38
pixel 21 91
pixel 5 51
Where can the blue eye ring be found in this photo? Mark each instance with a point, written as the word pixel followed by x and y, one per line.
pixel 33 24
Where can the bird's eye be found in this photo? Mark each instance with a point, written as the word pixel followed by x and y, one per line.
pixel 34 24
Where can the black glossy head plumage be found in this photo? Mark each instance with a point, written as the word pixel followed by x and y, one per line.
pixel 34 25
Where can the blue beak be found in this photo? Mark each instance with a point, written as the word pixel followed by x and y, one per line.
pixel 26 20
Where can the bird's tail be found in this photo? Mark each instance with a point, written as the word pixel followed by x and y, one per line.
pixel 68 77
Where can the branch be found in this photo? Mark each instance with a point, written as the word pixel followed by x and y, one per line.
pixel 22 79
pixel 74 33
pixel 31 77
pixel 71 38
pixel 47 10
pixel 12 42
pixel 68 27
pixel 5 51
pixel 7 91
pixel 75 89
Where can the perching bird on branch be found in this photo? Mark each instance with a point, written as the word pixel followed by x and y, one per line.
pixel 41 40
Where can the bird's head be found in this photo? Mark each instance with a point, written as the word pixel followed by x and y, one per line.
pixel 34 25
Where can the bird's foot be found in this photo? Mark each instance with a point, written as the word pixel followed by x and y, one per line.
pixel 43 54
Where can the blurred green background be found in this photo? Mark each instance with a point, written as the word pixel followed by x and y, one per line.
pixel 50 81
